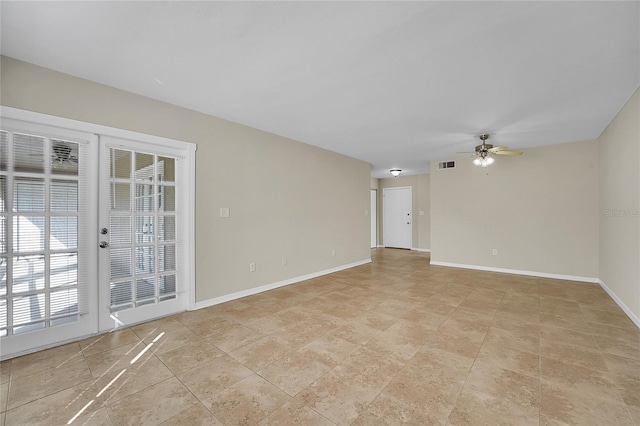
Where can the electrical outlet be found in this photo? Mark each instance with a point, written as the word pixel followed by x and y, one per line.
pixel 494 252
pixel 333 252
pixel 252 267
pixel 284 260
pixel 224 212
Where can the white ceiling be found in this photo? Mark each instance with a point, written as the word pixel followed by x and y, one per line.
pixel 393 83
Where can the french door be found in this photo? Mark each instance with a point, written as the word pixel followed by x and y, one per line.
pixel 96 229
pixel 47 257
pixel 140 233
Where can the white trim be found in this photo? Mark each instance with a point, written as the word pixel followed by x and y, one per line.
pixel 517 272
pixel 70 124
pixel 620 303
pixel 190 225
pixel 267 287
pixel 421 250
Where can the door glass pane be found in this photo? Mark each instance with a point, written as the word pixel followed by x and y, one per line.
pixel 166 169
pixel 144 198
pixel 167 198
pixel 64 269
pixel 28 195
pixel 120 164
pixel 64 302
pixel 28 233
pixel 145 260
pixel 64 196
pixel 120 231
pixel 144 167
pixel 144 229
pixel 3 194
pixel 3 234
pixel 120 262
pixel 121 296
pixel 166 284
pixel 28 311
pixel 121 197
pixel 28 153
pixel 3 317
pixel 3 276
pixel 4 152
pixel 28 273
pixel 64 158
pixel 166 228
pixel 167 258
pixel 64 233
pixel 145 288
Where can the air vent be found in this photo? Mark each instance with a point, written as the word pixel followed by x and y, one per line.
pixel 446 164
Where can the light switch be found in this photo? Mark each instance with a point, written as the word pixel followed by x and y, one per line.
pixel 421 212
pixel 224 211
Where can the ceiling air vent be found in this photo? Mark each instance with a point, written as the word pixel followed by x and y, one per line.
pixel 446 164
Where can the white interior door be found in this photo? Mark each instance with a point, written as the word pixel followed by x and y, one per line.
pixel 397 220
pixel 374 218
pixel 47 260
pixel 142 228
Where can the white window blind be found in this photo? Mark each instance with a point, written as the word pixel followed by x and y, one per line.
pixel 143 233
pixel 43 270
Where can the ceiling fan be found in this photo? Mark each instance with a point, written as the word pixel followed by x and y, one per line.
pixel 62 154
pixel 482 151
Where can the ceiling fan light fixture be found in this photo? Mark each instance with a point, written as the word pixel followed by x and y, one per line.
pixel 484 161
pixel 395 172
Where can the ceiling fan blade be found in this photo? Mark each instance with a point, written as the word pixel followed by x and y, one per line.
pixel 507 152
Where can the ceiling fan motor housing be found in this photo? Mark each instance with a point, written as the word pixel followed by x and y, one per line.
pixel 483 149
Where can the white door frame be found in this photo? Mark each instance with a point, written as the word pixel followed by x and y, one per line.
pixel 384 214
pixel 67 126
pixel 374 218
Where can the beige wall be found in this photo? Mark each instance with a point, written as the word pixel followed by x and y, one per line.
pixel 420 205
pixel 540 211
pixel 619 148
pixel 286 198
pixel 374 183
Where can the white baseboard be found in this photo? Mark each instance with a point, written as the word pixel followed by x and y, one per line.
pixel 421 250
pixel 267 287
pixel 620 303
pixel 518 272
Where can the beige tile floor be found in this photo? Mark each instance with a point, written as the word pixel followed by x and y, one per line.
pixel 395 341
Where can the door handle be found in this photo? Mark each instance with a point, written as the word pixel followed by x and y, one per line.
pixel 104 244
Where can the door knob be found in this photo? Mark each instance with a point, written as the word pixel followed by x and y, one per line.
pixel 104 244
pixel 104 231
